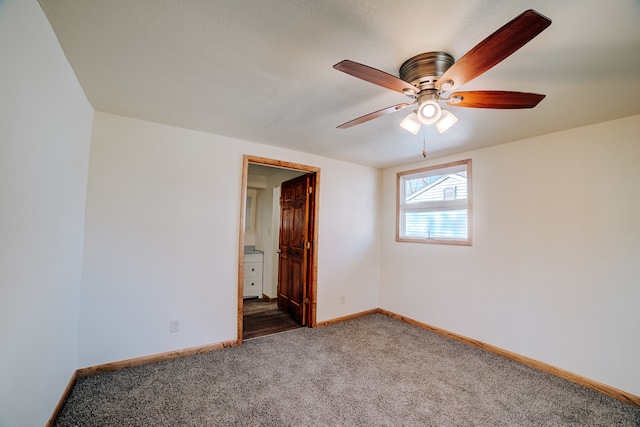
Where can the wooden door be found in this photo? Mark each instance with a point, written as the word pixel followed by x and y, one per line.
pixel 294 246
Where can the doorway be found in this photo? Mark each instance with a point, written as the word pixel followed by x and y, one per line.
pixel 260 227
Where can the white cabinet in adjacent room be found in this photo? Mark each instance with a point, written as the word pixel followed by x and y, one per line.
pixel 253 274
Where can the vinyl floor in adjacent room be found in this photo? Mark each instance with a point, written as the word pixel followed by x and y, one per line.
pixel 262 317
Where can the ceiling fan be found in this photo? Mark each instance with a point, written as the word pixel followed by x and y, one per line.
pixel 426 78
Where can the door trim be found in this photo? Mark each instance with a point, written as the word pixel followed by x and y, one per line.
pixel 312 268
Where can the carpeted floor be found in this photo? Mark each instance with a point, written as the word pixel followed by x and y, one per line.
pixel 373 371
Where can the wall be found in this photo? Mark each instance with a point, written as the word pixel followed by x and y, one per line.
pixel 45 126
pixel 162 230
pixel 554 267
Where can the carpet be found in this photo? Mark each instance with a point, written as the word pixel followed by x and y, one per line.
pixel 372 371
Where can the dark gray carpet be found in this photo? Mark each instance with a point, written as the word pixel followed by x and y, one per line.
pixel 373 371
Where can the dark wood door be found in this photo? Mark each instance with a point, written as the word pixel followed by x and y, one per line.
pixel 294 247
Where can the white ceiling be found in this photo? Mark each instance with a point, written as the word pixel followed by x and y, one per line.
pixel 261 70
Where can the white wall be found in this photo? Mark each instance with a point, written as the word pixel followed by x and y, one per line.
pixel 554 270
pixel 45 127
pixel 161 238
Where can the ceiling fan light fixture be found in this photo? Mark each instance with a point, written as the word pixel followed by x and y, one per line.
pixel 447 119
pixel 425 77
pixel 411 123
pixel 429 112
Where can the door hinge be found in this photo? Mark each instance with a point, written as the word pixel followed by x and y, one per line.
pixel 305 300
pixel 310 190
pixel 308 245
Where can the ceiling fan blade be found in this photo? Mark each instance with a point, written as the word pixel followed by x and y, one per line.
pixel 374 115
pixel 492 50
pixel 494 99
pixel 374 76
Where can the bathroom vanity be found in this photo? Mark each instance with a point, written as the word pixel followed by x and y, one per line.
pixel 253 263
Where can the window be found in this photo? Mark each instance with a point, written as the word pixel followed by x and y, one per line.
pixel 434 204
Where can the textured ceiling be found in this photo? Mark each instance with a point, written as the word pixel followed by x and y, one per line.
pixel 262 70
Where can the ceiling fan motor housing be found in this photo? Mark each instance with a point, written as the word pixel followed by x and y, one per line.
pixel 425 69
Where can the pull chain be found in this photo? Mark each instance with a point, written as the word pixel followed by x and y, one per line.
pixel 424 142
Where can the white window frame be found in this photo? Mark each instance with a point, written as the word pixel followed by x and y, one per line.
pixel 441 205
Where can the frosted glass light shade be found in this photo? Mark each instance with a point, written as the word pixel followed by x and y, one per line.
pixel 411 123
pixel 429 112
pixel 447 119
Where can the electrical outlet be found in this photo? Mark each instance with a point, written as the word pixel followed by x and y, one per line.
pixel 343 299
pixel 175 325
